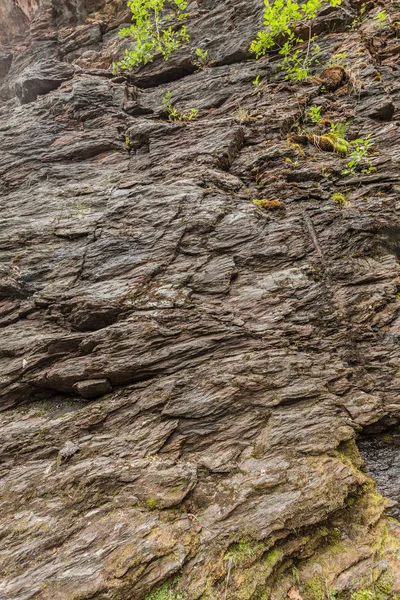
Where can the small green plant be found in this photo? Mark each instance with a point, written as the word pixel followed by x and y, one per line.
pixel 175 114
pixel 148 33
pixel 339 129
pixel 381 18
pixel 257 84
pixel 202 59
pixel 278 19
pixel 338 59
pixel 315 114
pixel 360 157
pixel 361 15
pixel 387 438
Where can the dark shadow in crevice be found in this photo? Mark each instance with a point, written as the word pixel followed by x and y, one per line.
pixel 379 446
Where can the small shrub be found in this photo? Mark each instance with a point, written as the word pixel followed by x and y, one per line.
pixel 148 34
pixel 279 18
pixel 175 114
pixel 296 67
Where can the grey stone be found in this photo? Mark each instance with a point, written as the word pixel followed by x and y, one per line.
pixel 92 388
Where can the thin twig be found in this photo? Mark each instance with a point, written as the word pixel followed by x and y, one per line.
pixel 227 577
pixel 308 47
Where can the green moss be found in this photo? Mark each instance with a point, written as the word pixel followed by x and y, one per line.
pixel 339 199
pixel 387 438
pixel 384 585
pixel 350 501
pixel 240 551
pixel 362 595
pixel 330 142
pixel 166 592
pixel 334 536
pixel 151 504
pixel 315 588
pixel 269 204
pixel 272 558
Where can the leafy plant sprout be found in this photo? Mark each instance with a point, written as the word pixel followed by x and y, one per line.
pixel 202 59
pixel 149 33
pixel 381 18
pixel 257 84
pixel 338 59
pixel 315 114
pixel 360 156
pixel 175 114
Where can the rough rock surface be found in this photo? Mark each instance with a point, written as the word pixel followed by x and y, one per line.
pixel 183 374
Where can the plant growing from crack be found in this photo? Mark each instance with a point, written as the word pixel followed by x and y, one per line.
pixel 202 60
pixel 257 84
pixel 381 18
pixel 149 33
pixel 338 59
pixel 175 114
pixel 280 19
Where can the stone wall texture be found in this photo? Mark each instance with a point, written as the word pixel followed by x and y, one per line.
pixel 184 373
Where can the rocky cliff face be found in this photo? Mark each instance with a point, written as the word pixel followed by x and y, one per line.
pixel 183 373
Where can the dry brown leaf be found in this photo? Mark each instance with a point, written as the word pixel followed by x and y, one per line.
pixel 294 594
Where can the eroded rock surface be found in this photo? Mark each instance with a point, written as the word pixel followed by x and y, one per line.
pixel 182 373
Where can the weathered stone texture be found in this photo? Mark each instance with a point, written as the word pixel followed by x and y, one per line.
pixel 180 370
